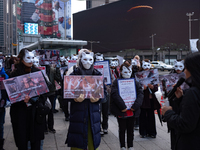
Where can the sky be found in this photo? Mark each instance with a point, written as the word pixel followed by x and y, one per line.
pixel 77 5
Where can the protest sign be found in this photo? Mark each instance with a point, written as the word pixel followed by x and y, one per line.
pixel 87 85
pixel 127 91
pixel 31 84
pixel 106 69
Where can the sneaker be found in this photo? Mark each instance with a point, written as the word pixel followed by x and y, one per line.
pixel 52 130
pixel 130 148
pixel 152 136
pixel 66 118
pixel 55 111
pixel 123 148
pixel 105 131
pixel 102 133
pixel 45 131
pixel 136 128
pixel 142 136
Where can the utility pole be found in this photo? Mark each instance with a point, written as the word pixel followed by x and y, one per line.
pixel 152 37
pixel 189 15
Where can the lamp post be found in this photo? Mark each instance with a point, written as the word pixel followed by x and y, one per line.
pixel 190 15
pixel 91 42
pixel 152 42
pixel 157 53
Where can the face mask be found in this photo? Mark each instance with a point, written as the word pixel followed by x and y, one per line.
pixel 134 62
pixel 126 72
pixel 99 58
pixel 36 61
pixel 87 60
pixel 62 58
pixel 1 63
pixel 29 56
pixel 112 63
pixel 179 65
pixel 146 65
pixel 74 57
pixel 116 63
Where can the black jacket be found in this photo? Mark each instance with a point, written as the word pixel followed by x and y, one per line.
pixel 117 103
pixel 23 118
pixel 186 123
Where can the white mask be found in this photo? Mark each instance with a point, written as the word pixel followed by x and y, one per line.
pixel 87 60
pixel 146 65
pixel 112 63
pixel 36 61
pixel 74 57
pixel 134 62
pixel 62 58
pixel 126 72
pixel 179 65
pixel 1 64
pixel 116 63
pixel 29 56
pixel 99 58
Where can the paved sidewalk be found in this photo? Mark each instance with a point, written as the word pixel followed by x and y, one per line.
pixel 109 142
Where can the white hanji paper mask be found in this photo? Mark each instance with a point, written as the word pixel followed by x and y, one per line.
pixel 29 56
pixel 99 58
pixel 1 63
pixel 179 65
pixel 146 65
pixel 134 62
pixel 62 58
pixel 36 61
pixel 74 57
pixel 126 72
pixel 87 60
pixel 112 63
pixel 116 63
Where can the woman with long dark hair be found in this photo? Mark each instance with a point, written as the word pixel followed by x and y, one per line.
pixel 186 122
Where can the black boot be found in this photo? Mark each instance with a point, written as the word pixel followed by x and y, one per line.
pixel 1 144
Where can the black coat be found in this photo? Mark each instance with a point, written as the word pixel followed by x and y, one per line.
pixel 187 122
pixel 23 118
pixel 117 103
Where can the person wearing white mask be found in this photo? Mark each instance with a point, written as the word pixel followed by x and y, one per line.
pixel 25 126
pixel 125 117
pixel 147 126
pixel 84 112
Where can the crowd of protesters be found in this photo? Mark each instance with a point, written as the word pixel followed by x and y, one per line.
pixel 88 117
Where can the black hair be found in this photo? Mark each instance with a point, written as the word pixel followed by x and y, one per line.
pixel 193 66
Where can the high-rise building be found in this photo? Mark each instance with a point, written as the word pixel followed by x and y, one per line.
pixel 96 3
pixel 8 32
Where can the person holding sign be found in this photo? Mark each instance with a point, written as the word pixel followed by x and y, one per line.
pixel 23 118
pixel 3 102
pixel 84 128
pixel 127 107
pixel 147 126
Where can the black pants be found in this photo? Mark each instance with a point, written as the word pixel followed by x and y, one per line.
pixel 126 124
pixel 49 122
pixel 147 123
pixel 105 110
pixel 64 106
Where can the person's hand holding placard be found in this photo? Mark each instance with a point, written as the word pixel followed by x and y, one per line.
pixel 80 98
pixel 93 100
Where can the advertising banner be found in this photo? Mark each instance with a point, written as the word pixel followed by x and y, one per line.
pixel 87 85
pixel 31 84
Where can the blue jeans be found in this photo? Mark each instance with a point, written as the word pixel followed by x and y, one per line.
pixel 2 121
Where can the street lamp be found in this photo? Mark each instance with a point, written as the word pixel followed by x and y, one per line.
pixel 152 37
pixel 91 42
pixel 190 15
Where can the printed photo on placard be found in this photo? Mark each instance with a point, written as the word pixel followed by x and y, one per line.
pixel 31 84
pixel 90 86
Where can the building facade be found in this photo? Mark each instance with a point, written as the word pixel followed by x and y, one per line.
pixel 95 3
